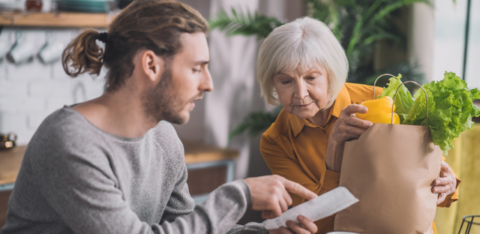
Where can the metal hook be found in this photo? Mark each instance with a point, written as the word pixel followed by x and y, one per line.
pixel 18 34
pixel 48 35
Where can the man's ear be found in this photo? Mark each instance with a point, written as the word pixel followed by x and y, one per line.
pixel 152 65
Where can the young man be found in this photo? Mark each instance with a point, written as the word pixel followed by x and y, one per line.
pixel 115 164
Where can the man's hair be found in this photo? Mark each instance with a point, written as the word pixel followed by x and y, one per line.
pixel 145 24
pixel 304 43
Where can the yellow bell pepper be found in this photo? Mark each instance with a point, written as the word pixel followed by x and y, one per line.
pixel 380 111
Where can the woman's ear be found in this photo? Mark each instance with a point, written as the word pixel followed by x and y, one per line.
pixel 152 65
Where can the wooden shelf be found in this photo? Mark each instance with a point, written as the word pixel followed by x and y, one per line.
pixel 200 153
pixel 10 160
pixel 61 19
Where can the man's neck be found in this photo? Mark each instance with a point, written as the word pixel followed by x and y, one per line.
pixel 119 113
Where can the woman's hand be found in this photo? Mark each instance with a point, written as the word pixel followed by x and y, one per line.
pixel 446 184
pixel 305 226
pixel 347 127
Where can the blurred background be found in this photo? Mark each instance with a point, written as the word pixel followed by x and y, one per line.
pixel 419 39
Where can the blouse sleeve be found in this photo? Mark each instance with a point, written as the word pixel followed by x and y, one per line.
pixel 283 164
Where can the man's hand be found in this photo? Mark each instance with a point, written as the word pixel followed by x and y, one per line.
pixel 305 226
pixel 445 184
pixel 269 194
pixel 347 127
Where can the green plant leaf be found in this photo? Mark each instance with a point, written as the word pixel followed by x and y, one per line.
pixel 247 24
pixel 255 123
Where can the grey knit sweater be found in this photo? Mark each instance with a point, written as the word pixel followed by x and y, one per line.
pixel 76 178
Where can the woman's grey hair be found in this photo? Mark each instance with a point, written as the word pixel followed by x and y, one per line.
pixel 304 43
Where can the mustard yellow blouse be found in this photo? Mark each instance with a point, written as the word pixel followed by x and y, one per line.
pixel 295 149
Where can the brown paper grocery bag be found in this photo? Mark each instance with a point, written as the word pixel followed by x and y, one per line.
pixel 390 169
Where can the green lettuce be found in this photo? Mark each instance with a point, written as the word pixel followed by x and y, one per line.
pixel 403 101
pixel 450 109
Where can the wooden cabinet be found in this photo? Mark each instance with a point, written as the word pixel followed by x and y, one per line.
pixel 4 195
pixel 10 161
pixel 208 168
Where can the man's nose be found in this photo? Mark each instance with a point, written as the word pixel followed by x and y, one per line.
pixel 207 83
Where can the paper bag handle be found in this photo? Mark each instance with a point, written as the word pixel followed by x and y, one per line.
pixel 374 83
pixel 395 96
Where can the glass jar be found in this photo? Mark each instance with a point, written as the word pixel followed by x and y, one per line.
pixel 34 5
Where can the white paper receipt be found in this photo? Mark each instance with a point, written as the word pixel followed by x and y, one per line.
pixel 321 207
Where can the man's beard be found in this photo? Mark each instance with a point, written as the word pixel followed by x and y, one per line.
pixel 161 103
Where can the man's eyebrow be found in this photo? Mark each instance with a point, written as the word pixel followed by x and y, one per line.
pixel 202 62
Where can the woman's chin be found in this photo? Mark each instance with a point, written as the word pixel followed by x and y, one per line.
pixel 304 114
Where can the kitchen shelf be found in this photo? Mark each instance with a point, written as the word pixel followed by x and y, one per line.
pixel 60 19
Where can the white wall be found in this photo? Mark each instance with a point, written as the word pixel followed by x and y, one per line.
pixel 473 54
pixel 449 38
pixel 29 92
pixel 450 23
pixel 232 68
pixel 421 36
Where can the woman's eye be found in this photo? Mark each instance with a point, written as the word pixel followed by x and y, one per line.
pixel 286 82
pixel 310 78
pixel 196 70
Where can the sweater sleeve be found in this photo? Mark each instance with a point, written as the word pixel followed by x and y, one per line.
pixel 85 197
pixel 180 202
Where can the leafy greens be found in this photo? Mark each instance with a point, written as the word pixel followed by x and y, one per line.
pixel 403 101
pixel 450 107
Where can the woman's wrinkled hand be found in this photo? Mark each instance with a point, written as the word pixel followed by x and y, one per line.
pixel 446 184
pixel 305 226
pixel 347 127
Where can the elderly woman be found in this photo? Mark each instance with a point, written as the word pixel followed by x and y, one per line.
pixel 302 66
